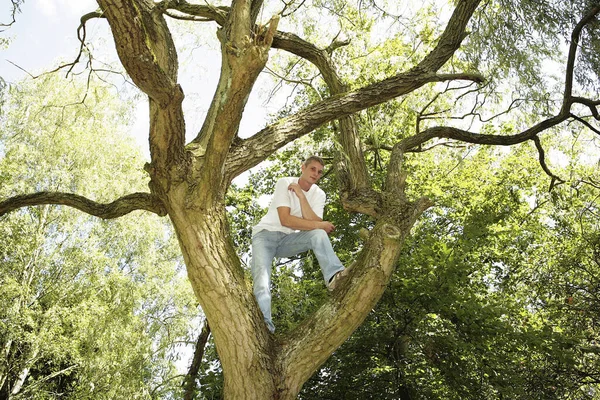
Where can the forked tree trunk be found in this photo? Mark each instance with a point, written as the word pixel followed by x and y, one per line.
pixel 245 348
pixel 257 364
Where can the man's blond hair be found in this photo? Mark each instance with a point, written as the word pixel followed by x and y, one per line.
pixel 313 158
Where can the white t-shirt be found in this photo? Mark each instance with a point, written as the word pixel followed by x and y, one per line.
pixel 283 197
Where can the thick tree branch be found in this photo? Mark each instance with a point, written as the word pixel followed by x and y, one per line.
pixel 145 47
pixel 311 343
pixel 451 38
pixel 238 25
pixel 147 51
pixel 417 140
pixel 115 209
pixel 447 45
pixel 251 151
pixel 591 104
pixel 247 153
pixel 244 56
pixel 281 40
pixel 255 10
pixel 208 12
pixel 350 165
pixel 318 57
pixel 447 132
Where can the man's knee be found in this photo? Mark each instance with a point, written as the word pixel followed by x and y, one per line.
pixel 319 235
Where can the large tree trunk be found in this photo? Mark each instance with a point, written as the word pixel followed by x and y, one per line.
pixel 213 267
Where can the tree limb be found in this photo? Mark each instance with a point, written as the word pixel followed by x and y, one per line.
pixel 81 35
pixel 448 132
pixel 447 45
pixel 591 104
pixel 542 160
pixel 145 47
pixel 189 384
pixel 208 12
pixel 254 10
pixel 418 139
pixel 247 153
pixel 584 122
pixel 575 36
pixel 350 164
pixel 16 7
pixel 312 342
pixel 147 52
pixel 115 209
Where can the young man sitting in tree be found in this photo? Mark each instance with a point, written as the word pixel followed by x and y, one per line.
pixel 293 224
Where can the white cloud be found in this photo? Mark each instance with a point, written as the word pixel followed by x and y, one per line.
pixel 47 7
pixel 59 8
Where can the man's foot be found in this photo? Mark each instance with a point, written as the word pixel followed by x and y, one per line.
pixel 337 278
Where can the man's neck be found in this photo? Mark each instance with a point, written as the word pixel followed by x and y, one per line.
pixel 305 185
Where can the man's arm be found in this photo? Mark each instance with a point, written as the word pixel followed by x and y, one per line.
pixel 302 224
pixel 306 209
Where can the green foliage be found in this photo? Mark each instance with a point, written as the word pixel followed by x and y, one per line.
pixel 89 309
pixel 493 296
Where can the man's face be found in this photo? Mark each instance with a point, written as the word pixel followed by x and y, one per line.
pixel 312 172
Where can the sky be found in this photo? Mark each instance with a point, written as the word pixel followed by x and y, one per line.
pixel 45 33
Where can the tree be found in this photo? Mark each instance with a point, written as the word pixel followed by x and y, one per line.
pixel 189 182
pixel 73 288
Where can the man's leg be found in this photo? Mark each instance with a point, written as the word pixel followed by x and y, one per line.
pixel 316 240
pixel 264 246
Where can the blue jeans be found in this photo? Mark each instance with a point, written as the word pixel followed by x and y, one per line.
pixel 266 245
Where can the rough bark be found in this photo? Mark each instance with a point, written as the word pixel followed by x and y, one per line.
pixel 242 341
pixel 115 209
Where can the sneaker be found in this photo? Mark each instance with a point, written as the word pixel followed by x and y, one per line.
pixel 337 278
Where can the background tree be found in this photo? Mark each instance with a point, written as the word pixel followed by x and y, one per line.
pixel 189 182
pixel 88 309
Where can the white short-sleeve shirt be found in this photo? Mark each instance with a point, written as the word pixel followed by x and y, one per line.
pixel 283 197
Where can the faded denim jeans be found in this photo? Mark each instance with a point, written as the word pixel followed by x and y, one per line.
pixel 267 245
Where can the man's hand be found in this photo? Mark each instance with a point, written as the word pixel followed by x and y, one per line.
pixel 294 187
pixel 326 226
